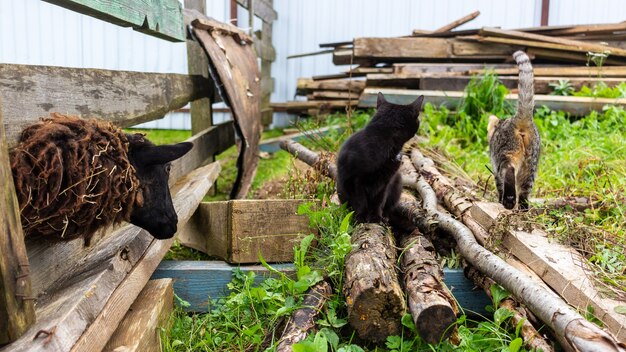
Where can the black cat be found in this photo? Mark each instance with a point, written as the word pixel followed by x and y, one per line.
pixel 367 164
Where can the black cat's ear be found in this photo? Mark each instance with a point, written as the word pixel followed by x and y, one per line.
pixel 380 100
pixel 417 104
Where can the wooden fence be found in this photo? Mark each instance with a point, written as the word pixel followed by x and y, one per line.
pixel 82 293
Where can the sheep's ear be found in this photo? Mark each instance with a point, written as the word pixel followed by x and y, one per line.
pixel 162 154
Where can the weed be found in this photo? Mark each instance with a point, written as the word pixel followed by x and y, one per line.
pixel 562 87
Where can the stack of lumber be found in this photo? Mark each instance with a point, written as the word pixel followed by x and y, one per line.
pixel 429 62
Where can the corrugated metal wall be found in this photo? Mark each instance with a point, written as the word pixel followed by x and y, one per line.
pixel 35 32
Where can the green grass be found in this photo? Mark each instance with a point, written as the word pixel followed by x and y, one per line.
pixel 159 137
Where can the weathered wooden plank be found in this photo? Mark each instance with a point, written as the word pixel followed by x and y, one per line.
pixel 207 230
pixel 160 18
pixel 586 29
pixel 238 76
pixel 139 330
pixel 17 310
pixel 573 45
pixel 126 98
pixel 206 144
pixel 270 228
pixel 313 104
pixel 573 71
pixel 553 46
pixel 561 267
pixel 461 21
pixel 306 85
pixel 570 57
pixel 241 230
pixel 399 49
pixel 329 94
pixel 209 24
pixel 85 305
pixel 441 68
pixel 577 106
pixel 198 282
pixel 261 8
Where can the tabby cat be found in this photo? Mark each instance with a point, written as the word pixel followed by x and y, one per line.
pixel 514 144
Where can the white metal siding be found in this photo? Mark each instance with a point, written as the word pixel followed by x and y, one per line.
pixel 35 32
pixel 303 24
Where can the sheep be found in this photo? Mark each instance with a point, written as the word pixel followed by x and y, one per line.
pixel 74 176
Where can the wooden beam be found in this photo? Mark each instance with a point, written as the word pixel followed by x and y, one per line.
pixel 571 57
pixel 306 85
pixel 211 25
pixel 399 49
pixel 587 29
pixel 577 71
pixel 159 18
pixel 561 267
pixel 123 97
pixel 559 43
pixel 313 104
pixel 329 94
pixel 86 304
pixel 17 310
pixel 262 9
pixel 140 329
pixel 214 140
pixel 443 68
pixel 577 106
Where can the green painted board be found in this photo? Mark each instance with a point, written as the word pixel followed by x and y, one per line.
pixel 198 281
pixel 159 18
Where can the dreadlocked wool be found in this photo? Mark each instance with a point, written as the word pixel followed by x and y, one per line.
pixel 73 176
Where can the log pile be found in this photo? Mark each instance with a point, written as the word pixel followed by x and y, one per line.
pixel 532 295
pixel 430 63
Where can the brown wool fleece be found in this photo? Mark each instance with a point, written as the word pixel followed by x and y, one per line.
pixel 73 176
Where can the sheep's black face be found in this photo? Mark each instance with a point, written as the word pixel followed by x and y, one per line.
pixel 152 165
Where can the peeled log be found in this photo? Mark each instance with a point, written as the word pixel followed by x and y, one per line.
pixel 576 333
pixel 373 294
pixel 303 319
pixel 429 301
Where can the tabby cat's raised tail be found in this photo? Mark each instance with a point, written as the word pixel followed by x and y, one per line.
pixel 526 102
pixel 514 144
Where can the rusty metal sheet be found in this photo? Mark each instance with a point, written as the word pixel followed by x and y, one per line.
pixel 235 69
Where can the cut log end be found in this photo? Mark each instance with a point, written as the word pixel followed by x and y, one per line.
pixel 435 323
pixel 375 314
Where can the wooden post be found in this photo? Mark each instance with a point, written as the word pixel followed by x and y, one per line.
pixel 198 64
pixel 17 312
pixel 268 55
